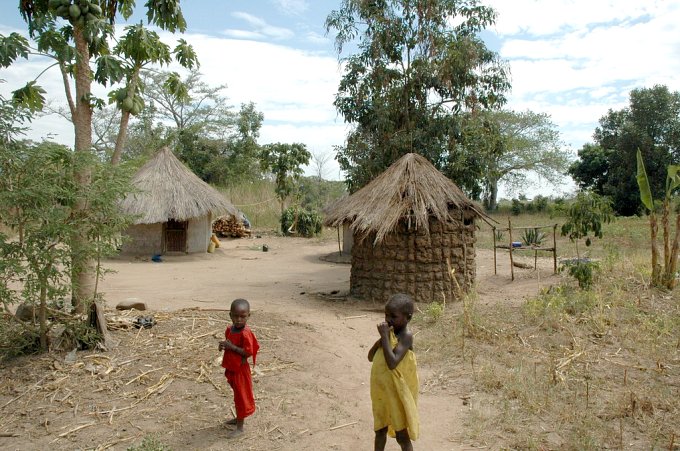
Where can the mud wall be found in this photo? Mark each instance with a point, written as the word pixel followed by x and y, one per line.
pixel 415 262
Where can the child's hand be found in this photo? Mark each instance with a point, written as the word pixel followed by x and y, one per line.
pixel 383 329
pixel 224 345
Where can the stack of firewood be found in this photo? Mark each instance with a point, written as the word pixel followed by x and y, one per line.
pixel 229 226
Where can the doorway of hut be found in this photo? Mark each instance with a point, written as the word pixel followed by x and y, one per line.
pixel 175 236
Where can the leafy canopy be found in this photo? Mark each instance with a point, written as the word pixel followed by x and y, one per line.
pixel 418 65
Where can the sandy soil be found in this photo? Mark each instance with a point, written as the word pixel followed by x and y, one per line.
pixel 312 382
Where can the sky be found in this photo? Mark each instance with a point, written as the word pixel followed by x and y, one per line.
pixel 571 59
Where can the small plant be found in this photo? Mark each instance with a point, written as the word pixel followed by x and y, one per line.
pixel 585 217
pixel 435 310
pixel 581 269
pixel 499 235
pixel 533 237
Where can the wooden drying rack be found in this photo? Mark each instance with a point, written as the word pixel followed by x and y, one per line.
pixel 552 249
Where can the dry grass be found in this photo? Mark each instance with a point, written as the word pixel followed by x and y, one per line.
pixel 259 203
pixel 411 188
pixel 569 369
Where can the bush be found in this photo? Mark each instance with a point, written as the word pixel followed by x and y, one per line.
pixel 581 269
pixel 308 222
pixel 517 207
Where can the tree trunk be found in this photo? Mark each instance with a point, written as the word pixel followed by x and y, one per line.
pixel 493 195
pixel 665 223
pixel 82 271
pixel 671 279
pixel 654 230
pixel 124 120
pixel 120 139
pixel 42 311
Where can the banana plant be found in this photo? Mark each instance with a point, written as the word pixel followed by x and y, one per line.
pixel 666 277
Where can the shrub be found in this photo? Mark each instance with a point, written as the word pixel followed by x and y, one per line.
pixel 301 221
pixel 517 207
pixel 581 269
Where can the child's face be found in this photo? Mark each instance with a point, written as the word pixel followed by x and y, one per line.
pixel 395 318
pixel 239 315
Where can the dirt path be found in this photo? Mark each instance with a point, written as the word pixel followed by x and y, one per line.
pixel 313 393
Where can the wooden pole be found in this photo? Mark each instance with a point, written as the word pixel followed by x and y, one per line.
pixel 339 247
pixel 512 263
pixel 555 248
pixel 493 231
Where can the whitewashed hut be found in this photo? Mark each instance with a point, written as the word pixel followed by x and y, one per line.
pixel 414 232
pixel 173 209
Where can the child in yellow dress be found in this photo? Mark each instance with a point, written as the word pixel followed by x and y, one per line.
pixel 394 379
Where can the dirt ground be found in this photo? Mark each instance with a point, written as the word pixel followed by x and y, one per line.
pixel 311 382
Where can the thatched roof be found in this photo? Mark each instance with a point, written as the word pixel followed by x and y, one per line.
pixel 411 188
pixel 167 189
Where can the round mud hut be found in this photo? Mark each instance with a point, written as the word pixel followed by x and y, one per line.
pixel 413 231
pixel 172 208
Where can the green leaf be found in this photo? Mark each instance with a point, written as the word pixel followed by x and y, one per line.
pixel 167 14
pixel 185 55
pixel 109 70
pixel 643 183
pixel 30 96
pixel 672 179
pixel 175 86
pixel 143 46
pixel 12 47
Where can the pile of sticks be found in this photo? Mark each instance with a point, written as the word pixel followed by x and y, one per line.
pixel 229 226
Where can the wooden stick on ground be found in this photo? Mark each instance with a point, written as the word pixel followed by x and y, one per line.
pixel 143 374
pixel 25 391
pixel 82 426
pixel 342 426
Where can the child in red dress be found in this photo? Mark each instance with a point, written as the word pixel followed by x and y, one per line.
pixel 240 343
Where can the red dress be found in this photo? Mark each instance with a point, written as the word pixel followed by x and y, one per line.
pixel 237 369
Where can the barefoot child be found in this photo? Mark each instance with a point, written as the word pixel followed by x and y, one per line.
pixel 240 344
pixel 394 380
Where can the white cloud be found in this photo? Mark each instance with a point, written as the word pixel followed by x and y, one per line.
pixel 575 59
pixel 292 7
pixel 263 28
pixel 243 34
pixel 317 39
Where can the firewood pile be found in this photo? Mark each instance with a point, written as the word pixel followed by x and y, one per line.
pixel 229 226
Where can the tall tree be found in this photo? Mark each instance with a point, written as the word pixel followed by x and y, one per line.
pixel 527 143
pixel 419 65
pixel 76 35
pixel 217 142
pixel 285 162
pixel 651 123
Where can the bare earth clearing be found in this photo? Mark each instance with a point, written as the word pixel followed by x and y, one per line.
pixel 312 375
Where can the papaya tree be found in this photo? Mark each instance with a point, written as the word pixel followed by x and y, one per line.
pixel 665 277
pixel 585 217
pixel 76 35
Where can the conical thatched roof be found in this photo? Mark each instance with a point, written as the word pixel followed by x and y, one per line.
pixel 411 188
pixel 167 189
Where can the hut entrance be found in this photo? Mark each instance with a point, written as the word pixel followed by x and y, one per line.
pixel 175 236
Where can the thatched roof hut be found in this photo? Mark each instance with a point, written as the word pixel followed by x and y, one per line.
pixel 172 207
pixel 414 232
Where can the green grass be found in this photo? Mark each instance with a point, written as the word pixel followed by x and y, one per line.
pixel 624 236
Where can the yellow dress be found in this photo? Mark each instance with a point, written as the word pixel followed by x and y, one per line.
pixel 394 393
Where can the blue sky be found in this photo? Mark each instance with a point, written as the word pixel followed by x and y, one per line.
pixel 571 59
